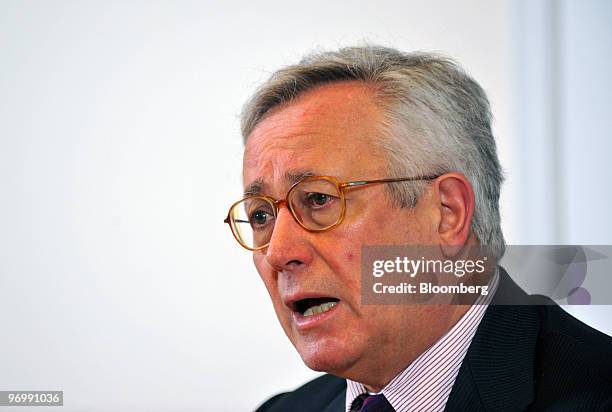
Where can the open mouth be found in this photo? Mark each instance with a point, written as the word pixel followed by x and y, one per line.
pixel 314 306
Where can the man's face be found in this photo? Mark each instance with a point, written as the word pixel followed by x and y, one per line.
pixel 332 131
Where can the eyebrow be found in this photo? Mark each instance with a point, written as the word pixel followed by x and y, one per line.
pixel 254 189
pixel 257 187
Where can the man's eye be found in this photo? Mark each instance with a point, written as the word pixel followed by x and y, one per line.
pixel 318 199
pixel 259 218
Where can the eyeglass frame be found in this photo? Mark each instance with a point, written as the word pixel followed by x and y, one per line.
pixel 340 186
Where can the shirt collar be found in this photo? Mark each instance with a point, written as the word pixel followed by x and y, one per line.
pixel 427 382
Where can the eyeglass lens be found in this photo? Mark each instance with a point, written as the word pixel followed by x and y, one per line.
pixel 316 205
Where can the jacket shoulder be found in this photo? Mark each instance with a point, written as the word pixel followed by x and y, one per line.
pixel 558 322
pixel 574 363
pixel 315 395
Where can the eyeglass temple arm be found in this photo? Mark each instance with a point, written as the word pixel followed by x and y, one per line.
pixel 399 179
pixel 227 220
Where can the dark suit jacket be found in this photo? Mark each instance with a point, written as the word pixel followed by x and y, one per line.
pixel 523 357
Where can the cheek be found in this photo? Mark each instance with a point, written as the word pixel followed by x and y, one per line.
pixel 351 270
pixel 342 251
pixel 372 227
pixel 267 275
pixel 343 257
pixel 349 256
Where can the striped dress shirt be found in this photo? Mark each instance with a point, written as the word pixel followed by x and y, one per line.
pixel 426 383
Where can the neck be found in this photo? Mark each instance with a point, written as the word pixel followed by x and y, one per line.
pixel 386 363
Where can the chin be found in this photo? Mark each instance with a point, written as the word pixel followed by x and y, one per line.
pixel 327 356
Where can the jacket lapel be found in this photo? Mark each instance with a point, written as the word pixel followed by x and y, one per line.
pixel 498 371
pixel 337 405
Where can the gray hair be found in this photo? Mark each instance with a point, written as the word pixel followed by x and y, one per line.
pixel 438 120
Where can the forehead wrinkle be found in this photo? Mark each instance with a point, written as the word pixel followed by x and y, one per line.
pixel 261 147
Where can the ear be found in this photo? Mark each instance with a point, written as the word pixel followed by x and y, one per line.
pixel 456 198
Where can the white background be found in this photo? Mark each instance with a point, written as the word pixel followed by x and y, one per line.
pixel 120 153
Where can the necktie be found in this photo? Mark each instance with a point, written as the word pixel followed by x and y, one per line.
pixel 371 403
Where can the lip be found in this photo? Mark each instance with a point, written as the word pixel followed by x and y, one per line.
pixel 290 299
pixel 308 322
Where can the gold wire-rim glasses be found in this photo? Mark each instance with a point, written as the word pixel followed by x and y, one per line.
pixel 340 186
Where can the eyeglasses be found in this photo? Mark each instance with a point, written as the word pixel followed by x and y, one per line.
pixel 317 203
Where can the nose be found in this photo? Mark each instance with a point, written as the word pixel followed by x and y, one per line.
pixel 289 248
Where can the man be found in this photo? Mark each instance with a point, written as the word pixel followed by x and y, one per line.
pixel 322 140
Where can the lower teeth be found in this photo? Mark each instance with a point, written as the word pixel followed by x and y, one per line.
pixel 324 307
